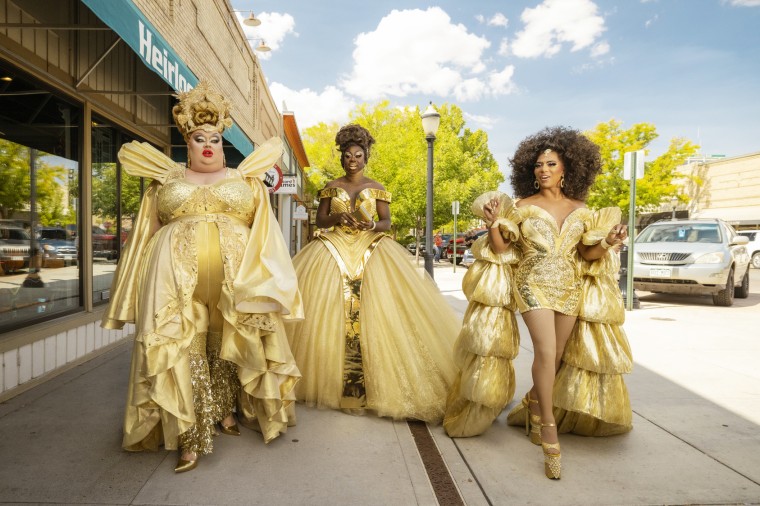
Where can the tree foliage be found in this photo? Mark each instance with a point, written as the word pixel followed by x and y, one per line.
pixel 657 185
pixel 15 185
pixel 104 192
pixel 463 165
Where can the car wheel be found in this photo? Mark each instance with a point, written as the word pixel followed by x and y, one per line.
pixel 725 297
pixel 742 292
pixel 756 260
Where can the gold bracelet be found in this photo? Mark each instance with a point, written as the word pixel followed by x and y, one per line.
pixel 494 224
pixel 604 244
pixel 374 224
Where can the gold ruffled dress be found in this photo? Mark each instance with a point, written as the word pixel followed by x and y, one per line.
pixel 546 271
pixel 207 279
pixel 377 334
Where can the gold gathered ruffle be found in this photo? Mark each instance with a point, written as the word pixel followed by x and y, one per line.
pixel 489 339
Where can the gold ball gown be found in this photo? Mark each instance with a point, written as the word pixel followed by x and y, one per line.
pixel 542 268
pixel 377 334
pixel 206 277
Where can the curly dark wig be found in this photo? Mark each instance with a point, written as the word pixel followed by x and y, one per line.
pixel 578 153
pixel 353 134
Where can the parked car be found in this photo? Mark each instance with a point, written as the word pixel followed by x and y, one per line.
pixel 103 244
pixel 464 241
pixel 15 245
pixel 694 257
pixel 58 248
pixel 467 258
pixel 753 247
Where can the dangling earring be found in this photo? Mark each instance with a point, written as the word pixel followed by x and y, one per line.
pixel 562 181
pixel 188 163
pixel 224 161
pixel 536 185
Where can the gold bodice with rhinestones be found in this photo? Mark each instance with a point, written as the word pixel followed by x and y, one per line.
pixel 549 276
pixel 231 196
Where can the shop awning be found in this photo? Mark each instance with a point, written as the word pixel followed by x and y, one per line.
pixel 133 27
pixel 749 215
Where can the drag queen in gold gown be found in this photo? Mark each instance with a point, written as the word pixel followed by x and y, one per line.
pixel 549 257
pixel 377 334
pixel 207 279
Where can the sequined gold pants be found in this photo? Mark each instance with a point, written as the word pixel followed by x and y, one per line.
pixel 215 381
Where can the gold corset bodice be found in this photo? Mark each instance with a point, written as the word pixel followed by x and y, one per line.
pixel 231 196
pixel 341 202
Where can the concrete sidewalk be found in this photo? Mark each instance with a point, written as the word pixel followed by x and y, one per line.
pixel 695 394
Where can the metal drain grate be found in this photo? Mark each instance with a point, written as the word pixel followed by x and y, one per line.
pixel 443 484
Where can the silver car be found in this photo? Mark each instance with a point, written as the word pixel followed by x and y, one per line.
pixel 753 247
pixel 694 257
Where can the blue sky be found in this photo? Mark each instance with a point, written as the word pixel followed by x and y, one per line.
pixel 690 67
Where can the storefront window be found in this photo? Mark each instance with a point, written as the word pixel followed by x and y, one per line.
pixel 39 203
pixel 115 202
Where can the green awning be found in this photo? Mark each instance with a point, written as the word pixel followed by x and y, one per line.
pixel 133 27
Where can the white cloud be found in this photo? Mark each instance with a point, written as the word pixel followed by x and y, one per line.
pixel 649 22
pixel 416 51
pixel 273 29
pixel 498 19
pixel 501 82
pixel 745 3
pixel 600 49
pixel 480 121
pixel 503 47
pixel 554 22
pixel 480 18
pixel 311 107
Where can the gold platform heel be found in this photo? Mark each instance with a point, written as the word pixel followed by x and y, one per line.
pixel 552 461
pixel 532 422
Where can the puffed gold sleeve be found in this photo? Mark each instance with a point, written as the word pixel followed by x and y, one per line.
pixel 143 160
pixel 599 224
pixel 507 216
pixel 121 308
pixel 262 158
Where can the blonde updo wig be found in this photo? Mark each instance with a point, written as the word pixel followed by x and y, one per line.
pixel 201 108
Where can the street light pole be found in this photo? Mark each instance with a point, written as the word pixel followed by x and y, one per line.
pixel 430 121
pixel 673 203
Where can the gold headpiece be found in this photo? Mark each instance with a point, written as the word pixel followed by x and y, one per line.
pixel 547 151
pixel 201 109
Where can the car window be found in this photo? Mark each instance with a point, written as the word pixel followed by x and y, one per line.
pixel 18 234
pixel 750 235
pixel 676 232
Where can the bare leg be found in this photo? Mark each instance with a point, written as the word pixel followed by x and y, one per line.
pixel 541 326
pixel 563 326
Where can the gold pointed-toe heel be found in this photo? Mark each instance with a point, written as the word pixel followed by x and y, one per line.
pixel 532 422
pixel 232 430
pixel 552 461
pixel 186 465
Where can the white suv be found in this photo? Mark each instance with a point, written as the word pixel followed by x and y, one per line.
pixel 695 257
pixel 753 247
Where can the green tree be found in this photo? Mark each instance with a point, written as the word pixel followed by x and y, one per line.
pixel 104 201
pixel 657 185
pixel 464 166
pixel 14 178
